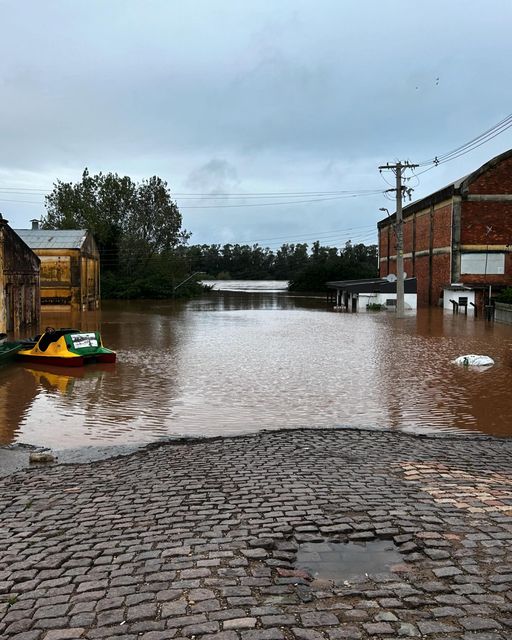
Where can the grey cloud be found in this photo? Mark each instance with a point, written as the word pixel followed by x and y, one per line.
pixel 214 177
pixel 289 96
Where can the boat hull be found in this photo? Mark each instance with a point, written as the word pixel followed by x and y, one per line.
pixel 78 361
pixel 8 351
pixel 66 348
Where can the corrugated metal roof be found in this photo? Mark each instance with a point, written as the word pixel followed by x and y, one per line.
pixel 52 238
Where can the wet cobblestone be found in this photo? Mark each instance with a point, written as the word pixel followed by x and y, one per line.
pixel 198 539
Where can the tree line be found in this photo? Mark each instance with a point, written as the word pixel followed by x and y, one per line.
pixel 144 251
pixel 307 268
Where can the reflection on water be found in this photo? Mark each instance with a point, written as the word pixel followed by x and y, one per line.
pixel 340 561
pixel 232 362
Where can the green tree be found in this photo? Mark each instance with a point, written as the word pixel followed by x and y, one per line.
pixel 326 263
pixel 137 226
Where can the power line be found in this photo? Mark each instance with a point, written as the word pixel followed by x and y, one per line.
pixel 320 233
pixel 219 195
pixel 470 145
pixel 307 239
pixel 277 194
pixel 39 204
pixel 274 204
pixel 239 205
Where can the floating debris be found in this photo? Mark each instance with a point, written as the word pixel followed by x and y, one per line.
pixel 42 457
pixel 473 360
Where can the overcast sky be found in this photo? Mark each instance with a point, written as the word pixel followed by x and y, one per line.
pixel 249 97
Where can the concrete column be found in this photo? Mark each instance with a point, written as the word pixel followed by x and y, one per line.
pixel 430 253
pixel 456 227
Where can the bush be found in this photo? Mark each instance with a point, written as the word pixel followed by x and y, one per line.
pixel 505 296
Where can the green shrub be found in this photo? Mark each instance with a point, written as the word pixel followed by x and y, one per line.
pixel 505 296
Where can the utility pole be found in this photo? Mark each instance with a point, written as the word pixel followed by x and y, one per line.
pixel 397 169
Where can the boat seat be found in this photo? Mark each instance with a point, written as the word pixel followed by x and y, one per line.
pixel 48 337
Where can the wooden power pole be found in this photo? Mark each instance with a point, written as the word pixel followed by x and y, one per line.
pixel 397 169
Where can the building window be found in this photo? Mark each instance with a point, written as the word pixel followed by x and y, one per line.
pixel 391 302
pixel 482 263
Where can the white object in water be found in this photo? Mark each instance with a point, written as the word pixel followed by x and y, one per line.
pixel 472 360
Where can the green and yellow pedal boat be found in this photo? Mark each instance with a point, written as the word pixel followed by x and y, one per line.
pixel 66 347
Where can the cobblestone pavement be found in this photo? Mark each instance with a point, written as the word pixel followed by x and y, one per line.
pixel 199 539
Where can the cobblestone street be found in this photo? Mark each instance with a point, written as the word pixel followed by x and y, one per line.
pixel 199 539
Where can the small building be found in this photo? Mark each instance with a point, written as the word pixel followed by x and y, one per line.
pixel 458 240
pixel 358 295
pixel 70 267
pixel 19 283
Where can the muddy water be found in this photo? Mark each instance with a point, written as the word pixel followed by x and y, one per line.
pixel 237 362
pixel 339 561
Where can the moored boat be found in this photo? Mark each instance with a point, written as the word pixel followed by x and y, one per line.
pixel 66 347
pixel 8 351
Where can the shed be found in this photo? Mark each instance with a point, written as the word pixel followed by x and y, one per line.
pixel 70 267
pixel 356 295
pixel 19 283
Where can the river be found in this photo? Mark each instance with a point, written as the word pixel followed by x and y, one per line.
pixel 239 361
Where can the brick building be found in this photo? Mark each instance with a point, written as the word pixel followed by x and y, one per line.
pixel 19 283
pixel 460 235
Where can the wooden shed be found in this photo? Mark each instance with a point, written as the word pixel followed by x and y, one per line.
pixel 19 283
pixel 70 267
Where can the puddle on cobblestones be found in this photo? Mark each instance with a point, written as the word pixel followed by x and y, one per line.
pixel 341 561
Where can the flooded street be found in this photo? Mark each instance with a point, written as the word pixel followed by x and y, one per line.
pixel 233 362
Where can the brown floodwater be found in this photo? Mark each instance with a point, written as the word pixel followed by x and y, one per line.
pixel 233 362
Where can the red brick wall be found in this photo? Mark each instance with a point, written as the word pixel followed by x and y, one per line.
pixel 408 267
pixel 477 216
pixel 443 226
pixel 383 251
pixel 422 232
pixel 441 275
pixel 441 264
pixel 493 279
pixel 408 234
pixel 422 275
pixel 497 179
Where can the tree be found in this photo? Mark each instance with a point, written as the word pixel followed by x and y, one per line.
pixel 137 227
pixel 326 263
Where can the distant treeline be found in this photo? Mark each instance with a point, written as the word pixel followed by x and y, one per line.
pixel 144 251
pixel 307 268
